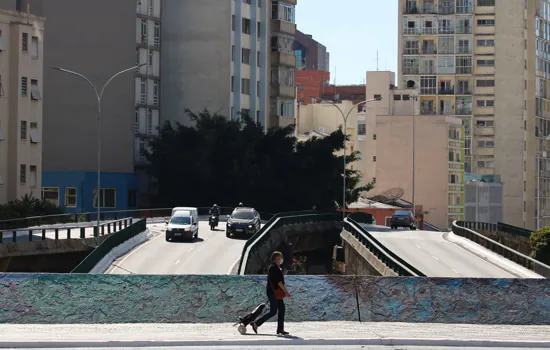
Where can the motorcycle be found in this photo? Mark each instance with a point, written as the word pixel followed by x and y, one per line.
pixel 213 222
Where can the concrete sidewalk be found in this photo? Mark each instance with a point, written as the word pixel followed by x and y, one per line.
pixel 303 334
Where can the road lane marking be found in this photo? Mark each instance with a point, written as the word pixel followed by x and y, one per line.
pixel 190 249
pixel 435 258
pixel 121 262
pixel 233 266
pixel 458 273
pixel 177 262
pixel 418 246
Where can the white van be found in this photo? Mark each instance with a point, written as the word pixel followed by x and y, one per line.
pixel 182 225
pixel 194 211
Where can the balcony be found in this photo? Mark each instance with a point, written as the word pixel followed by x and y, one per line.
pixel 446 30
pixel 411 71
pixel 427 111
pixel 463 111
pixel 464 30
pixel 283 91
pixel 429 31
pixel 411 51
pixel 411 31
pixel 463 91
pixel 429 50
pixel 450 91
pixel 278 26
pixel 282 59
pixel 412 10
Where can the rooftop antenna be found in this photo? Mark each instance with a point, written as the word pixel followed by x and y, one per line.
pixel 28 13
pixel 377 60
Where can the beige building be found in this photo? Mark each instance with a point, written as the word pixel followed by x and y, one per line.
pixel 21 71
pixel 382 132
pixel 486 62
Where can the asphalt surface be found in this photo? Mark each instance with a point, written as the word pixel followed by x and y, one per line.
pixel 293 347
pixel 211 254
pixel 435 256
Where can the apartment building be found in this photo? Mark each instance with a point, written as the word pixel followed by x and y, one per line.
pixel 486 62
pixel 310 54
pixel 21 82
pixel 383 132
pixel 129 34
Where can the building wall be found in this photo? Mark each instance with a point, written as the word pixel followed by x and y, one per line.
pixel 85 185
pixel 314 55
pixel 21 121
pixel 311 83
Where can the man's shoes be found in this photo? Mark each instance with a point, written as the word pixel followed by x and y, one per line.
pixel 282 333
pixel 254 327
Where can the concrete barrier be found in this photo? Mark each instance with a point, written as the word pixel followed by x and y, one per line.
pixel 88 299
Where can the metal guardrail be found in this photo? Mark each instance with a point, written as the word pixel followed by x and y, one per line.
pixel 64 232
pixel 73 218
pixel 109 244
pixel 278 220
pixel 501 249
pixel 385 255
pixel 498 227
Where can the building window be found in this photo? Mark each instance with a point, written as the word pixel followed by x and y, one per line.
pixel 397 97
pixel 25 42
pixel 33 175
pixel 406 97
pixel 232 84
pixel 245 86
pixel 486 22
pixel 151 59
pixel 2 48
pixel 70 197
pixel 485 2
pixel 259 30
pixel 485 103
pixel 259 59
pixel 486 144
pixel 246 56
pixel 22 174
pixel 149 121
pixel 157 34
pixel 374 137
pixel 143 31
pixel 463 64
pixel 374 158
pixel 132 198
pixel 258 89
pixel 35 91
pixel 485 83
pixel 486 42
pixel 143 91
pixel 233 53
pixel 35 135
pixel 156 92
pixel 485 164
pixel 233 23
pixel 486 63
pixel 485 123
pixel 34 47
pixel 23 130
pixel 24 87
pixel 246 26
pixel 283 12
pixel 361 129
pixel 51 195
pixel 428 86
pixel 107 198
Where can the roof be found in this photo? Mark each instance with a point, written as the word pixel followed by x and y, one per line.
pixel 367 203
pixel 313 133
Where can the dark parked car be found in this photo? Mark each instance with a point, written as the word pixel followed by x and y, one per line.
pixel 403 218
pixel 243 222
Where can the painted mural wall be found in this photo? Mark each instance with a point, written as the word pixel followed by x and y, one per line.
pixel 82 299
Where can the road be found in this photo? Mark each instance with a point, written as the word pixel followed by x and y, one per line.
pixel 435 256
pixel 212 253
pixel 293 347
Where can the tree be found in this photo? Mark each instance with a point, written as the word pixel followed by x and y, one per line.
pixel 28 206
pixel 540 245
pixel 230 161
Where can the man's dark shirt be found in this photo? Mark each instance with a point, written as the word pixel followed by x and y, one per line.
pixel 274 276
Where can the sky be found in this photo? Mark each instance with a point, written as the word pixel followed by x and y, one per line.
pixel 352 31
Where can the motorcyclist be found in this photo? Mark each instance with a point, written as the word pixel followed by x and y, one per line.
pixel 240 205
pixel 215 210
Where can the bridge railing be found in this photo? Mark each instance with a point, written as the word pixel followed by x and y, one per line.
pixel 65 232
pixel 466 230
pixel 498 227
pixel 109 244
pixel 91 217
pixel 279 220
pixel 385 255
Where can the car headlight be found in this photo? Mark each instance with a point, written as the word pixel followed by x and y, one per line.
pixel 229 224
pixel 249 226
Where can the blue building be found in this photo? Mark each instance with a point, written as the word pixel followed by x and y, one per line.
pixel 76 191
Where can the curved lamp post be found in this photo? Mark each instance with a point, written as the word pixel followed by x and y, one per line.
pixel 99 96
pixel 345 117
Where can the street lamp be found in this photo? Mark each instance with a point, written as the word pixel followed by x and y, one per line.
pixel 345 117
pixel 413 98
pixel 99 96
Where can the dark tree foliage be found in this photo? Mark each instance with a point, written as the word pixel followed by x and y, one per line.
pixel 227 162
pixel 28 206
pixel 540 245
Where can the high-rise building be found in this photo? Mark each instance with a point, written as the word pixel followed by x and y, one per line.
pixel 310 54
pixel 21 55
pixel 486 62
pixel 126 34
pixel 229 57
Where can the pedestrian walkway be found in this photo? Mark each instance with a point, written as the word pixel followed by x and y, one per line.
pixel 303 334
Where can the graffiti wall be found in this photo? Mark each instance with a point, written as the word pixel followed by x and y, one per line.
pixel 211 299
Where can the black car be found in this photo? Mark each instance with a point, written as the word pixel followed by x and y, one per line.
pixel 403 218
pixel 243 222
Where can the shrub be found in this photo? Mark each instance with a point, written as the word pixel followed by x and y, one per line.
pixel 540 245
